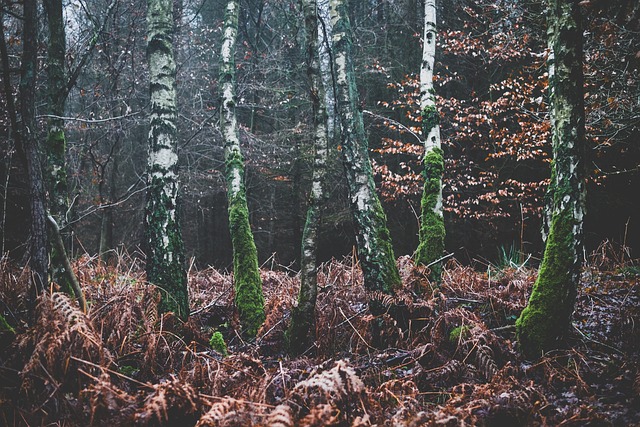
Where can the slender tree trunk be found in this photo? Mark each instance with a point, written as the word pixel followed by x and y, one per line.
pixel 56 143
pixel 372 236
pixel 248 285
pixel 29 142
pixel 547 316
pixel 432 231
pixel 302 329
pixel 165 252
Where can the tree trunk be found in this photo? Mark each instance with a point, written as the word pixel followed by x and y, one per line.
pixel 248 285
pixel 372 236
pixel 56 143
pixel 29 144
pixel 432 231
pixel 165 252
pixel 302 329
pixel 548 315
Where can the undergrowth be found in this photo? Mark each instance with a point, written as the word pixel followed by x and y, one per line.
pixel 443 356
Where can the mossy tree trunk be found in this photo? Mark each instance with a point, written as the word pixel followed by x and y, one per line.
pixel 547 317
pixel 56 142
pixel 163 238
pixel 372 236
pixel 28 142
pixel 302 329
pixel 247 283
pixel 432 231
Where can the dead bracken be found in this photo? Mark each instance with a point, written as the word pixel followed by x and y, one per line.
pixel 445 356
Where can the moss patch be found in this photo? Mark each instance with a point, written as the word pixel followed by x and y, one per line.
pixel 546 318
pixel 430 119
pixel 248 285
pixel 458 333
pixel 432 230
pixel 217 343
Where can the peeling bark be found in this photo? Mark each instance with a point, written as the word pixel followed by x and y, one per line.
pixel 372 236
pixel 165 252
pixel 547 316
pixel 249 298
pixel 432 231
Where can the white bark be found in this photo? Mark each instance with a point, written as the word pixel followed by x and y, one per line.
pixel 427 94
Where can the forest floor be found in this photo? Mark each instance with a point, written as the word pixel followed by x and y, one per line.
pixel 449 358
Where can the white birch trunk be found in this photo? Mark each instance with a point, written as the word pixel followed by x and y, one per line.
pixel 431 245
pixel 248 285
pixel 165 257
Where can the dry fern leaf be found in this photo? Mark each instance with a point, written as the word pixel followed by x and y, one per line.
pixel 321 415
pixel 335 385
pixel 106 401
pixel 281 416
pixel 62 332
pixel 219 410
pixel 170 402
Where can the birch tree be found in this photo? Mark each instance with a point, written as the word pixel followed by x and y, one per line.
pixel 165 253
pixel 432 231
pixel 372 236
pixel 303 316
pixel 548 314
pixel 248 285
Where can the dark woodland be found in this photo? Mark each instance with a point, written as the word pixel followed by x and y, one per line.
pixel 320 213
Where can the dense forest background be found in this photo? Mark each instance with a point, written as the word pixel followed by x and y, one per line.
pixel 491 92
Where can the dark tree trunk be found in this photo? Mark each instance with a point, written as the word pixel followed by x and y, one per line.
pixel 30 147
pixel 547 317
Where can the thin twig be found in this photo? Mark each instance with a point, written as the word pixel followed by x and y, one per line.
pixel 89 121
pixel 354 329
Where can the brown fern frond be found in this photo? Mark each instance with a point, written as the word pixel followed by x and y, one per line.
pixel 170 402
pixel 336 385
pixel 108 402
pixel 321 415
pixel 63 335
pixel 485 362
pixel 218 412
pixel 281 416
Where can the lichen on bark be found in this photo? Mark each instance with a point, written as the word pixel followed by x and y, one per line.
pixel 547 317
pixel 163 237
pixel 302 327
pixel 373 240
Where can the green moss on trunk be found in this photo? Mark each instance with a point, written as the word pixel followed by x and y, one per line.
pixel 165 252
pixel 432 230
pixel 248 285
pixel 548 313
